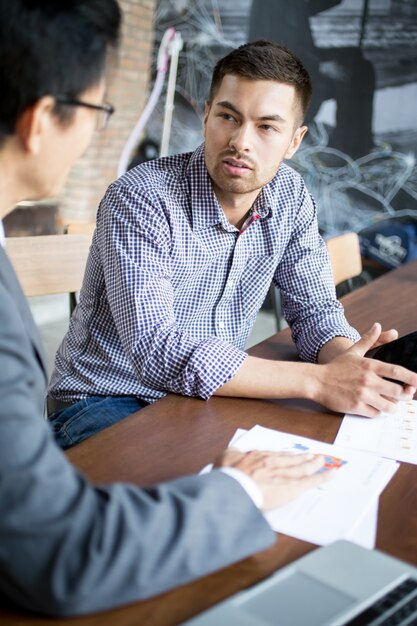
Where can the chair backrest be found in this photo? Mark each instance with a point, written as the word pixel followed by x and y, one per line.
pixel 81 228
pixel 345 257
pixel 49 264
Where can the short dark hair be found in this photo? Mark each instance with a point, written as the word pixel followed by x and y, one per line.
pixel 265 60
pixel 52 47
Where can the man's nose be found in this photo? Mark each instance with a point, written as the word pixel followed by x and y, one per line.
pixel 241 138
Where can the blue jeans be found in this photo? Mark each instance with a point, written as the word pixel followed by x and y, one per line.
pixel 90 415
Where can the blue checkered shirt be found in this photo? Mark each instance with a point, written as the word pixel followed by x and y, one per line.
pixel 171 291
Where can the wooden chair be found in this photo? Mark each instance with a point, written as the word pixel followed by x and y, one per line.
pixel 345 258
pixel 49 264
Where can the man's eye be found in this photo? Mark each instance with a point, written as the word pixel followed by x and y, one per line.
pixel 267 128
pixel 228 117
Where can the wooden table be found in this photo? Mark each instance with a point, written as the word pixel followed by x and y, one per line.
pixel 178 436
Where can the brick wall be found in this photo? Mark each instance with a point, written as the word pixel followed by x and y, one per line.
pixel 127 91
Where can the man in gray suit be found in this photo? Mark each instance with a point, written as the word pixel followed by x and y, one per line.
pixel 67 547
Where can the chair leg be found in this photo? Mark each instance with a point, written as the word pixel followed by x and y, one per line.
pixel 276 299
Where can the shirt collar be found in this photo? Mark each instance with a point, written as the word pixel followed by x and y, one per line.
pixel 2 235
pixel 263 203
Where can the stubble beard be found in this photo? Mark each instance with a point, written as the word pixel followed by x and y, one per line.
pixel 249 184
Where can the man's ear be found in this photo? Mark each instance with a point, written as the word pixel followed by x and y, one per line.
pixel 34 123
pixel 296 141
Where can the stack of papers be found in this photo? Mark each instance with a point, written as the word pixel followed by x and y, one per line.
pixel 365 452
pixel 391 435
pixel 343 508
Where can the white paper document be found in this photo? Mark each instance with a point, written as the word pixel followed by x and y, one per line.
pixel 365 533
pixel 343 508
pixel 391 435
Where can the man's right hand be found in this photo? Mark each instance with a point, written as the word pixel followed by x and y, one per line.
pixel 280 476
pixel 352 383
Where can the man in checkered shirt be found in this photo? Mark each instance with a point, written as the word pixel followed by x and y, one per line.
pixel 182 258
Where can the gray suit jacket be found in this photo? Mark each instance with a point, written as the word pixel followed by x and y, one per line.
pixel 69 548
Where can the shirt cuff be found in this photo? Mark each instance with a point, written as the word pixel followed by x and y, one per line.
pixel 247 483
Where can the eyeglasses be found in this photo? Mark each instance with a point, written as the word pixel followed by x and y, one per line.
pixel 104 111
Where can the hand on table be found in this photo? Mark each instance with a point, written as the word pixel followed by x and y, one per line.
pixel 280 476
pixel 352 383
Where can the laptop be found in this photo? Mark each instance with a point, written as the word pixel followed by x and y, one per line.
pixel 340 584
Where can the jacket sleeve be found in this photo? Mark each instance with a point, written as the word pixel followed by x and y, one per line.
pixel 68 548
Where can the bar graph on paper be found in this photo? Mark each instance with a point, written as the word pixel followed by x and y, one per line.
pixel 391 435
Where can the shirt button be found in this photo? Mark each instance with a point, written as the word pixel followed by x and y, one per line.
pixel 230 284
pixel 221 324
